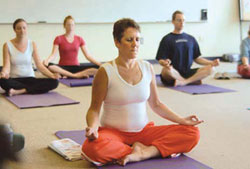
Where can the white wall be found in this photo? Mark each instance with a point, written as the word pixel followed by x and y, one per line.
pixel 85 11
pixel 221 34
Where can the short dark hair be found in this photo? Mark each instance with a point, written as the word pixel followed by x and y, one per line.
pixel 67 18
pixel 176 13
pixel 121 25
pixel 17 21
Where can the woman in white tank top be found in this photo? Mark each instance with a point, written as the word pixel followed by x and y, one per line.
pixel 17 75
pixel 124 86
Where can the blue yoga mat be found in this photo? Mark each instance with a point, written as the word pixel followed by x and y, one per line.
pixel 181 162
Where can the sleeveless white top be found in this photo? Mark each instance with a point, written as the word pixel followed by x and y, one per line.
pixel 125 104
pixel 21 63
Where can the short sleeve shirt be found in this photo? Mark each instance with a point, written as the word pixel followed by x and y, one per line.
pixel 68 51
pixel 181 49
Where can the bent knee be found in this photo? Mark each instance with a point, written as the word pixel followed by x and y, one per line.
pixel 195 134
pixel 92 151
pixel 167 73
pixel 192 134
pixel 105 150
pixel 166 70
pixel 208 70
pixel 54 83
pixel 193 137
pixel 90 148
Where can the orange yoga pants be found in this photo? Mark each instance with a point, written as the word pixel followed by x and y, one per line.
pixel 243 72
pixel 113 144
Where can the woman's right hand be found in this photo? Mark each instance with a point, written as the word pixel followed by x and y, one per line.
pixel 91 133
pixel 4 75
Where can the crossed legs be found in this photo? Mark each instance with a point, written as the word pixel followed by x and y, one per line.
pixel 170 74
pixel 140 152
pixel 81 74
pixel 153 141
pixel 31 85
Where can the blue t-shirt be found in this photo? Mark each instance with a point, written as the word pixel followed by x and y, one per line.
pixel 245 49
pixel 181 49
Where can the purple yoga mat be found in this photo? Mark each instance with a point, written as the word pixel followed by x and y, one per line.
pixel 195 89
pixel 77 82
pixel 40 100
pixel 181 162
pixel 158 80
pixel 201 89
pixel 76 135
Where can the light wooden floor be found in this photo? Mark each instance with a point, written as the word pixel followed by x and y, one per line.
pixel 225 135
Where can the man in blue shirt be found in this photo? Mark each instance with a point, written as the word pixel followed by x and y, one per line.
pixel 176 54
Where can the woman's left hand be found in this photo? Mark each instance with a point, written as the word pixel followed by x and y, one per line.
pixel 191 120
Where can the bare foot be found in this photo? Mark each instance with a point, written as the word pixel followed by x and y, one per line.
pixel 136 154
pixel 198 82
pixel 82 74
pixel 140 152
pixel 1 90
pixel 175 155
pixel 179 83
pixel 13 92
pixel 184 82
pixel 91 71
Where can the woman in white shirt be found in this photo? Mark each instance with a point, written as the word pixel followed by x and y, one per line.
pixel 17 75
pixel 124 86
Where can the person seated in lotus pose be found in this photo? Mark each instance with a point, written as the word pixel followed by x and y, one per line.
pixel 176 53
pixel 17 75
pixel 68 45
pixel 124 86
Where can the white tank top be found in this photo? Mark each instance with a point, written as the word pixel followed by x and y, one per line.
pixel 21 63
pixel 124 107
